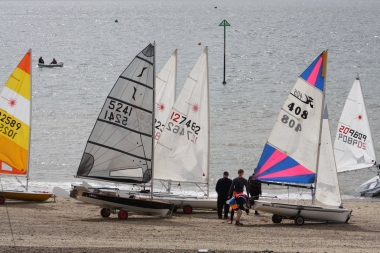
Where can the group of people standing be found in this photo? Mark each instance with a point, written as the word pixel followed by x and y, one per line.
pixel 231 194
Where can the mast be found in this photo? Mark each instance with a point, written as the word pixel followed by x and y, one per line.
pixel 153 114
pixel 321 121
pixel 208 130
pixel 175 75
pixel 30 121
pixel 369 125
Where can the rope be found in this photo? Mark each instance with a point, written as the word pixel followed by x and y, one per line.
pixel 20 182
pixel 204 193
pixel 9 219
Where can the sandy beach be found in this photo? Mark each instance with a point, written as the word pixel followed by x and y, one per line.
pixel 71 226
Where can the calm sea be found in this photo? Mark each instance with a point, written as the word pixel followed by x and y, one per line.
pixel 269 43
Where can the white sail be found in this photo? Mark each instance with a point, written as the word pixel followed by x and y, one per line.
pixel 327 189
pixel 182 152
pixel 120 147
pixel 165 94
pixel 291 152
pixel 354 147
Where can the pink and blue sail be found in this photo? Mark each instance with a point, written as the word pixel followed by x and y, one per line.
pixel 314 74
pixel 276 166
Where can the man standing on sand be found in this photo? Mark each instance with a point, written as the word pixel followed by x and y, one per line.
pixel 238 184
pixel 222 188
pixel 254 189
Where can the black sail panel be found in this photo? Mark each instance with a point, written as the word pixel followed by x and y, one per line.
pixel 120 146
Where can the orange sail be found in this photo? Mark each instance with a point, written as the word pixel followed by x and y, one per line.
pixel 15 108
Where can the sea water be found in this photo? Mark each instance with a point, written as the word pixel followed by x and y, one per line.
pixel 268 44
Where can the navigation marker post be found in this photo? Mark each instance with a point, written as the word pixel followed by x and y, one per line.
pixel 224 23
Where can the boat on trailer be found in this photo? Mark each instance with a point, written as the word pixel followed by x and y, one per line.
pixel 15 134
pixel 299 150
pixel 120 148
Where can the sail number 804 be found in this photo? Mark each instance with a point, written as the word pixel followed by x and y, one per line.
pixel 291 123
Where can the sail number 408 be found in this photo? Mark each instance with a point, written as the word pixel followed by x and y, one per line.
pixel 291 123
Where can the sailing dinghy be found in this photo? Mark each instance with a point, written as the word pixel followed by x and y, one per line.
pixel 120 147
pixel 15 129
pixel 354 148
pixel 292 154
pixel 183 149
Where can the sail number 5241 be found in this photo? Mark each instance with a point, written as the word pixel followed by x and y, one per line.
pixel 291 123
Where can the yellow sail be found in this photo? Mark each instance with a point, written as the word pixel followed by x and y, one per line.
pixel 15 106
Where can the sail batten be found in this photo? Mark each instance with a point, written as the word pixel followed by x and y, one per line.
pixel 120 147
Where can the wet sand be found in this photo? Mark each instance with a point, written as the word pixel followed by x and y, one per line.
pixel 71 226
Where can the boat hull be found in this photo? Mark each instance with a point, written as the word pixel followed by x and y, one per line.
pixel 371 188
pixel 201 203
pixel 138 205
pixel 316 213
pixel 26 196
pixel 58 65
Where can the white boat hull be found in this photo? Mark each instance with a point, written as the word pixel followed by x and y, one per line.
pixel 317 213
pixel 371 188
pixel 201 203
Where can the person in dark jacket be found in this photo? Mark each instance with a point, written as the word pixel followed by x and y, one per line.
pixel 41 60
pixel 54 61
pixel 255 189
pixel 238 184
pixel 222 187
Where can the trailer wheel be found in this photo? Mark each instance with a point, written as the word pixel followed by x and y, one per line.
pixel 187 209
pixel 276 218
pixel 2 199
pixel 299 220
pixel 105 213
pixel 122 215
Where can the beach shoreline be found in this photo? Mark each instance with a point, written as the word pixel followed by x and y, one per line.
pixel 71 226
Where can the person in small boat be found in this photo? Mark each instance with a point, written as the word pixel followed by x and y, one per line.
pixel 41 60
pixel 54 61
pixel 222 188
pixel 237 204
pixel 254 188
pixel 238 184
